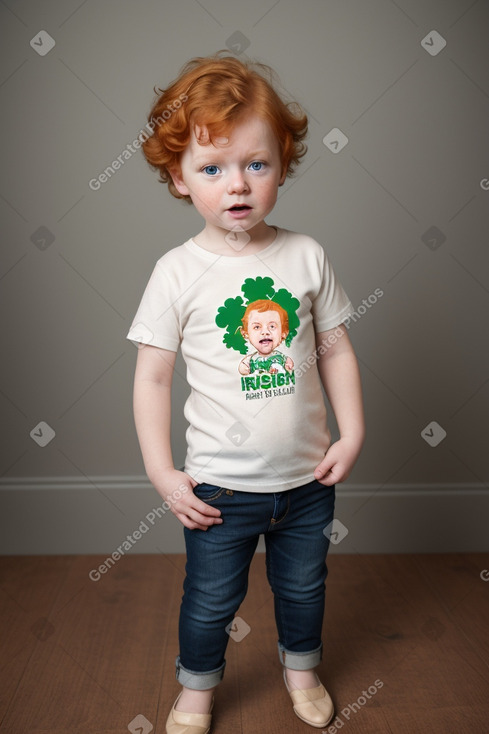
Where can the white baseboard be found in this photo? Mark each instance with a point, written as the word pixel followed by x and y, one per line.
pixel 97 515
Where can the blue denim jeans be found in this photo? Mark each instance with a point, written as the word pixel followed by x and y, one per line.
pixel 218 560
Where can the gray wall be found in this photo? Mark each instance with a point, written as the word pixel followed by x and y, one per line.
pixel 402 207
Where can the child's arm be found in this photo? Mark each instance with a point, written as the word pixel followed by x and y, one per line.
pixel 340 376
pixel 244 365
pixel 152 415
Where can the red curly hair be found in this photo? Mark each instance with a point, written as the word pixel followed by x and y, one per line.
pixel 216 92
pixel 261 306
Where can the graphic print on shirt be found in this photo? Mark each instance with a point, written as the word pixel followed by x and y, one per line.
pixel 257 324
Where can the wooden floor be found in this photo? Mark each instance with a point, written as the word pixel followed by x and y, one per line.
pixel 98 656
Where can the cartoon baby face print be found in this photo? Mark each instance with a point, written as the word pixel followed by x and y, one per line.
pixel 265 326
pixel 257 328
pixel 264 330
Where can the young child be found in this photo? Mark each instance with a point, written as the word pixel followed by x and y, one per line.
pixel 260 458
pixel 265 325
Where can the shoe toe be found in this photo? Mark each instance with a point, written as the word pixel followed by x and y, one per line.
pixel 313 705
pixel 317 713
pixel 179 722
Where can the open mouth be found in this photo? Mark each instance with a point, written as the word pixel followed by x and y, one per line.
pixel 265 342
pixel 239 208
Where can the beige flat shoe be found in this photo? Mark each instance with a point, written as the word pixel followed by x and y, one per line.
pixel 312 705
pixel 179 722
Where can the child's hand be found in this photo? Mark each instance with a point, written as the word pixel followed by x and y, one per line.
pixel 176 488
pixel 338 462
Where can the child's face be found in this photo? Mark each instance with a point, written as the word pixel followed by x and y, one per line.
pixel 245 170
pixel 265 330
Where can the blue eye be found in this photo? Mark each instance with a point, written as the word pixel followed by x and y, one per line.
pixel 211 170
pixel 256 166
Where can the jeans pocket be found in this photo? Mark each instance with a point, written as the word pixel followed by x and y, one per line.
pixel 207 492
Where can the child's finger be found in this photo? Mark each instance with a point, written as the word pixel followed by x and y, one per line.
pixel 193 520
pixel 204 508
pixel 202 513
pixel 323 468
pixel 188 523
pixel 327 472
pixel 329 479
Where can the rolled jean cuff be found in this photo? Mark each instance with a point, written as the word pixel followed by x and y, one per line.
pixel 300 660
pixel 196 680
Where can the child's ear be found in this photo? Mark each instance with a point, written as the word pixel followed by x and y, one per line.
pixel 178 181
pixel 282 179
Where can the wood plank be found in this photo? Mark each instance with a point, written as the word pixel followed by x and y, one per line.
pixel 456 580
pixel 400 633
pixel 28 586
pixel 449 720
pixel 89 656
pixel 102 666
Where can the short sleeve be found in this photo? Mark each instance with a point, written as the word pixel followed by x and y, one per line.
pixel 331 306
pixel 157 321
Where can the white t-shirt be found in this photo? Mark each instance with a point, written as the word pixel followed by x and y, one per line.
pixel 257 418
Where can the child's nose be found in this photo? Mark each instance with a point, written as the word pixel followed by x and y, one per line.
pixel 237 183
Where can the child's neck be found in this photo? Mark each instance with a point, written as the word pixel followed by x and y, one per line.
pixel 236 244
